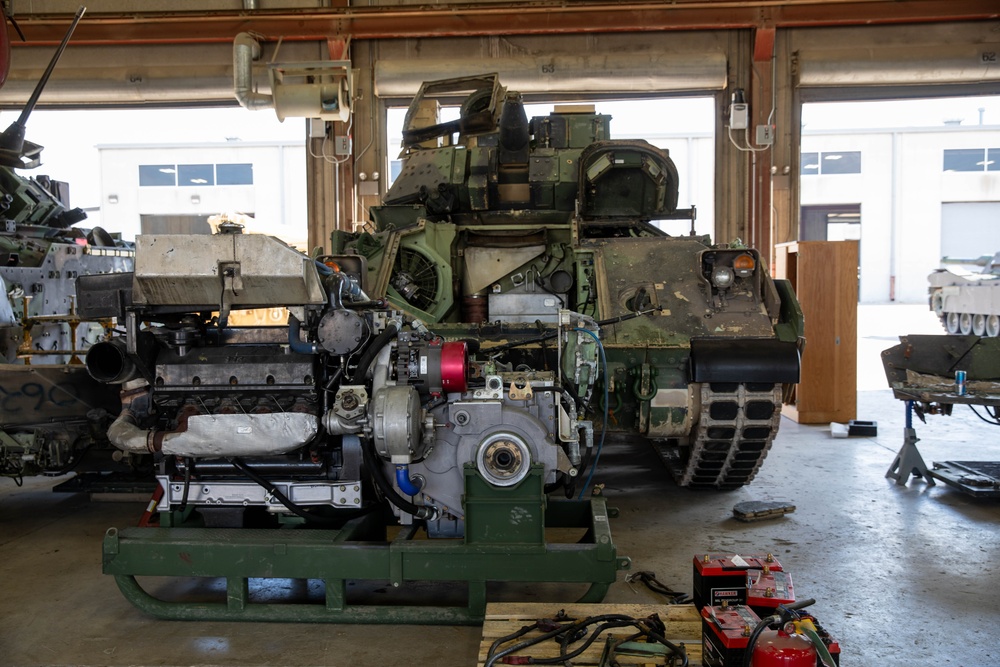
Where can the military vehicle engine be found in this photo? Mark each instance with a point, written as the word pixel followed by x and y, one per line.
pixel 284 418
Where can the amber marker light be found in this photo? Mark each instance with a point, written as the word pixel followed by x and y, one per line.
pixel 743 265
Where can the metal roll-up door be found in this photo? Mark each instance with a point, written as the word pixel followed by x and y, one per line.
pixel 958 55
pixel 635 73
pixel 175 74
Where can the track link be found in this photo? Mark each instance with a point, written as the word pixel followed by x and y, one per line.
pixel 736 426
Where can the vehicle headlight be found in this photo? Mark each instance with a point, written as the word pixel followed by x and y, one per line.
pixel 722 276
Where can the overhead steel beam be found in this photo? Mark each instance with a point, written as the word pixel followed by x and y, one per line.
pixel 544 17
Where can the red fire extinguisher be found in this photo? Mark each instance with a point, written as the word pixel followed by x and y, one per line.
pixel 795 642
pixel 778 648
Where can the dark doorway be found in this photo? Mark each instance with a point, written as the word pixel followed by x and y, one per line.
pixel 833 222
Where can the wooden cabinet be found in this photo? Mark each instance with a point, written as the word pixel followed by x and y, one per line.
pixel 825 277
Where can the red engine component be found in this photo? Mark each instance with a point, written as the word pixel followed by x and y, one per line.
pixel 454 366
pixel 777 648
pixel 437 367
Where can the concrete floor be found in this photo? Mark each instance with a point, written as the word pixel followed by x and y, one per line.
pixel 902 575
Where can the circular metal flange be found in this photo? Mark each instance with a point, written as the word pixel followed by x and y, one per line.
pixel 503 459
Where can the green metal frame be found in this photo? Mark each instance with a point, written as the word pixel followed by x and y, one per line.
pixel 517 552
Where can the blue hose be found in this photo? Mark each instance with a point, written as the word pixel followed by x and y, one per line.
pixel 404 482
pixel 296 344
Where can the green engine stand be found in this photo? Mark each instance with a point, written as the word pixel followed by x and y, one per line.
pixel 505 540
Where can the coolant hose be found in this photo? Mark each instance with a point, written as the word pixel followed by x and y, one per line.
pixel 375 469
pixel 404 482
pixel 294 342
pixel 369 356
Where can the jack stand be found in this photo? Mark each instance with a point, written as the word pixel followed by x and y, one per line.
pixel 908 461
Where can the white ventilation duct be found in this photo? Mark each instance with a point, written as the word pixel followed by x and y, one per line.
pixel 318 89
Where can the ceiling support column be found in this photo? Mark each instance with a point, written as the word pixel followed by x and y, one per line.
pixel 762 108
pixel 785 152
pixel 732 194
pixel 322 194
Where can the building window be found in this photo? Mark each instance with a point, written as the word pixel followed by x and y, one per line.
pixel 840 162
pixel 834 162
pixel 157 175
pixel 965 159
pixel 195 174
pixel 809 163
pixel 993 159
pixel 234 174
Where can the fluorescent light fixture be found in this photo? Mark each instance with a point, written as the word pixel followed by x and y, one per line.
pixel 199 180
pixel 832 156
pixel 168 170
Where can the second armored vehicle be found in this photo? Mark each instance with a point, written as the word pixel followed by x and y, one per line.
pixel 967 302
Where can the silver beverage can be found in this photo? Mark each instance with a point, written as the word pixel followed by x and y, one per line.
pixel 960 386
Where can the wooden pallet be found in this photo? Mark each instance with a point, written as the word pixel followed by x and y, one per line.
pixel 682 621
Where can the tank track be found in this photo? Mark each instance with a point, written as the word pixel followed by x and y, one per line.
pixel 736 426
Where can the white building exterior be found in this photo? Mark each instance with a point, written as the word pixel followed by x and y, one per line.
pixel 274 194
pixel 912 210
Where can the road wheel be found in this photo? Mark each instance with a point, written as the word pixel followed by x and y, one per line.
pixel 993 326
pixel 965 324
pixel 951 323
pixel 979 324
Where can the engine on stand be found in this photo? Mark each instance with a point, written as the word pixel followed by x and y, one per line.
pixel 317 423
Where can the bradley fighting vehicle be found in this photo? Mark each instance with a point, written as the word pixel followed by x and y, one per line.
pixel 51 411
pixel 493 235
pixel 967 302
pixel 513 306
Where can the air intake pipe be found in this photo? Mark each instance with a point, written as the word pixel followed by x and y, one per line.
pixel 246 50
